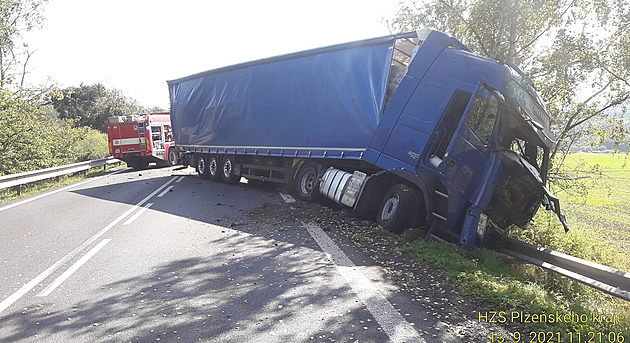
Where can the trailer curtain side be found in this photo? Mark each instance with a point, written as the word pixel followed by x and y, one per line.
pixel 330 97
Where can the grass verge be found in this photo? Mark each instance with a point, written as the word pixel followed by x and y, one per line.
pixel 600 232
pixel 9 194
pixel 504 285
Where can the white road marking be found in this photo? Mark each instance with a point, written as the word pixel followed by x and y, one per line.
pixel 287 198
pixel 58 281
pixel 392 322
pixel 180 179
pixel 39 278
pixel 165 191
pixel 138 214
pixel 58 190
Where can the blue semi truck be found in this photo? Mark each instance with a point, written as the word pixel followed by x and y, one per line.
pixel 408 129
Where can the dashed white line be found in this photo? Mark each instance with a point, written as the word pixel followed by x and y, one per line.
pixel 180 179
pixel 287 198
pixel 138 214
pixel 39 278
pixel 392 322
pixel 58 281
pixel 165 191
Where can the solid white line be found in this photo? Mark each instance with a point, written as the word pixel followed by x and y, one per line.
pixel 58 281
pixel 138 214
pixel 58 190
pixel 180 179
pixel 39 278
pixel 165 191
pixel 287 198
pixel 392 322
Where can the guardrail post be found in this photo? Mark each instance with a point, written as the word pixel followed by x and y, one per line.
pixel 18 189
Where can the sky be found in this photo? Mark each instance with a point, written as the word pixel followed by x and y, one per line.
pixel 137 45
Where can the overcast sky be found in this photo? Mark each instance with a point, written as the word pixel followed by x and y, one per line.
pixel 136 45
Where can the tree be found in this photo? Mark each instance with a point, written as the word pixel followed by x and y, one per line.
pixel 576 51
pixel 29 141
pixel 91 105
pixel 16 17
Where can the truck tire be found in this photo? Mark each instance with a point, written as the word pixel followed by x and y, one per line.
pixel 398 209
pixel 227 173
pixel 214 167
pixel 202 166
pixel 306 182
pixel 173 158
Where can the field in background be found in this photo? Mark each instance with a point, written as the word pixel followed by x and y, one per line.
pixel 606 208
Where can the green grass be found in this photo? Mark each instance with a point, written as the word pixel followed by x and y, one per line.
pixel 600 232
pixel 502 284
pixel 606 209
pixel 9 194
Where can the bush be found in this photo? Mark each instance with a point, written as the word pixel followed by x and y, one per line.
pixel 91 146
pixel 29 141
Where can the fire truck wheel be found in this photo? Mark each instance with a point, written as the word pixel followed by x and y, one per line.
pixel 202 166
pixel 172 157
pixel 306 182
pixel 398 208
pixel 214 168
pixel 228 174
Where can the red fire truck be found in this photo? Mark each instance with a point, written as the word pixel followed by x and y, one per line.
pixel 142 139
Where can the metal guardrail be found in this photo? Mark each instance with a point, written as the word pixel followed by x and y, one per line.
pixel 607 279
pixel 17 180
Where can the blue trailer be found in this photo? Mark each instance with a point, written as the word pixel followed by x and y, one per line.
pixel 408 129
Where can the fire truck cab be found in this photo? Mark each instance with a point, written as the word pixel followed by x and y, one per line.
pixel 142 139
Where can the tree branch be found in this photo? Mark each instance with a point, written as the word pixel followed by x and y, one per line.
pixel 474 32
pixel 545 30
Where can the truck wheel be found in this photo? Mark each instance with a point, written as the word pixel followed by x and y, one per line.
pixel 202 166
pixel 172 157
pixel 228 175
pixel 306 182
pixel 398 209
pixel 213 168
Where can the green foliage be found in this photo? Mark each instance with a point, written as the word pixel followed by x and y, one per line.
pixel 500 283
pixel 29 141
pixel 16 17
pixel 92 145
pixel 91 105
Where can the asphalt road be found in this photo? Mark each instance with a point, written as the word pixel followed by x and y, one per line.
pixel 162 255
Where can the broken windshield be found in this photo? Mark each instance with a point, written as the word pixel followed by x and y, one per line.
pixel 530 106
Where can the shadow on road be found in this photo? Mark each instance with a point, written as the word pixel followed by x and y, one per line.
pixel 256 293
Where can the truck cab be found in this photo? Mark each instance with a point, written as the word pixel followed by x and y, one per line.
pixel 473 134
